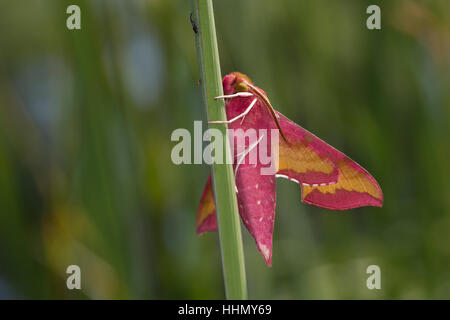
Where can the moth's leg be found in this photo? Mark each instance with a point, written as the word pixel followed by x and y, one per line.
pixel 243 114
pixel 246 152
pixel 238 94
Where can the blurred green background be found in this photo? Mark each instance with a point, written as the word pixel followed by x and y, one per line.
pixel 85 124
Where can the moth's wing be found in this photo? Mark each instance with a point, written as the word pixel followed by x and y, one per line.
pixel 355 188
pixel 256 191
pixel 327 177
pixel 257 200
pixel 256 186
pixel 306 159
pixel 206 212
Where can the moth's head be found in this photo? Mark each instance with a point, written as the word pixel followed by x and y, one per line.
pixel 235 82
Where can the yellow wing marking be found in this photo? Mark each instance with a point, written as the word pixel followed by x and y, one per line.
pixel 207 206
pixel 300 158
pixel 349 179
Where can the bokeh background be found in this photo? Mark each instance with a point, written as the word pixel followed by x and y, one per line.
pixel 85 124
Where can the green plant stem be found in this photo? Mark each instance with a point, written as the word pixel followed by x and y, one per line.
pixel 223 176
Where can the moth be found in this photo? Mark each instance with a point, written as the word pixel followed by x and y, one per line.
pixel 327 178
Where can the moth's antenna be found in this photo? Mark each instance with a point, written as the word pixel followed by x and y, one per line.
pixel 266 101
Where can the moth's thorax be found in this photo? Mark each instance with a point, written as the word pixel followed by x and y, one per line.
pixel 235 82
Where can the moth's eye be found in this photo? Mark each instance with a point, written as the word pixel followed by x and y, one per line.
pixel 241 87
